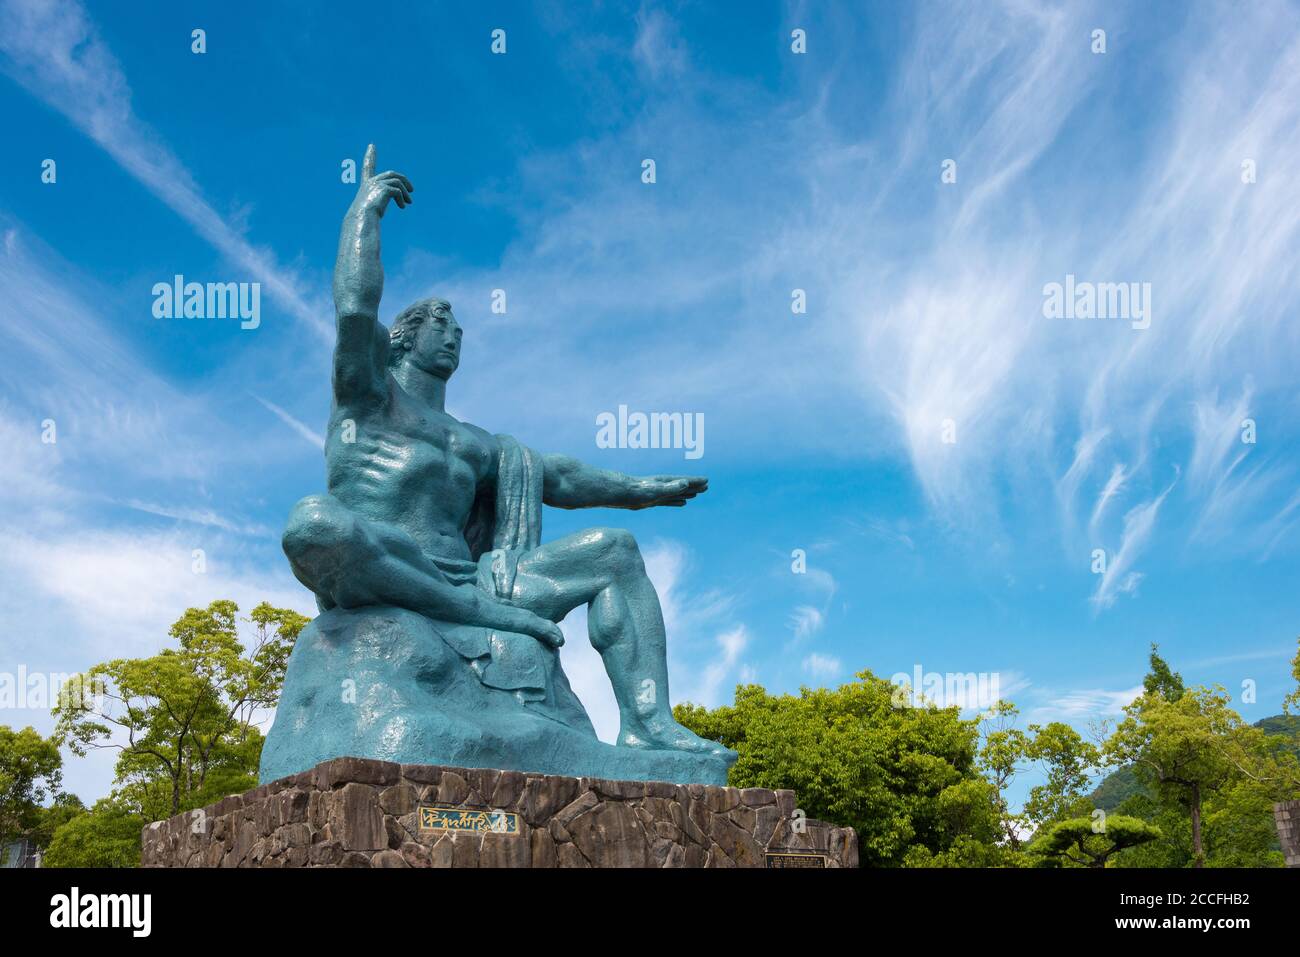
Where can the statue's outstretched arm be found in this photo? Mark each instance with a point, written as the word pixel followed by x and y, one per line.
pixel 568 483
pixel 361 353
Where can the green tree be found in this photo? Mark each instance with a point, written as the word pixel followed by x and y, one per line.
pixel 1194 752
pixel 180 714
pixel 1092 841
pixel 1065 759
pixel 1068 763
pixel 1238 830
pixel 30 773
pixel 1162 680
pixel 232 770
pixel 108 835
pixel 904 777
pixel 1173 849
pixel 60 811
pixel 1001 758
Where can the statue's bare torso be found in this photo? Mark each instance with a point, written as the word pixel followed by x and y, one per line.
pixel 410 466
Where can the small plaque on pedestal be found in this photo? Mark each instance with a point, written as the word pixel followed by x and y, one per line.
pixel 795 859
pixel 468 819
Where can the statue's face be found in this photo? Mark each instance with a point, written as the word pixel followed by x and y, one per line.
pixel 437 344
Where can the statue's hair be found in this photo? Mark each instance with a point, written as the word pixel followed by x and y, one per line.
pixel 402 336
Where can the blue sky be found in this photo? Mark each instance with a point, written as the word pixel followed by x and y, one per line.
pixel 775 171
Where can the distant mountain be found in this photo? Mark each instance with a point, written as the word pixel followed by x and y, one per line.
pixel 1287 725
pixel 1115 788
pixel 1121 784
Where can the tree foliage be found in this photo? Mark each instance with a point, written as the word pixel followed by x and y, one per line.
pixel 1194 755
pixel 904 777
pixel 30 773
pixel 58 812
pixel 925 787
pixel 186 713
pixel 1092 841
pixel 108 835
pixel 1162 680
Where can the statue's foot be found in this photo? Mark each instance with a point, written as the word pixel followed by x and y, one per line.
pixel 665 734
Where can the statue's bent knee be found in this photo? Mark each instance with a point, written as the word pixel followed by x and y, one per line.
pixel 618 546
pixel 318 524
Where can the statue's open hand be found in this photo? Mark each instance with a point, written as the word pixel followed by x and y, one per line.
pixel 525 622
pixel 671 490
pixel 376 190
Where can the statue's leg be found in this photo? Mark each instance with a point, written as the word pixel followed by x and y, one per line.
pixel 349 561
pixel 602 569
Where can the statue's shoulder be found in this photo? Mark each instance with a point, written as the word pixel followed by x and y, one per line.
pixel 493 442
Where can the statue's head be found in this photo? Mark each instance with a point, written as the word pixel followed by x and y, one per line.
pixel 427 336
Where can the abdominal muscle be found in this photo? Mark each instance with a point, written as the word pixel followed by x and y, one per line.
pixel 410 468
pixel 434 517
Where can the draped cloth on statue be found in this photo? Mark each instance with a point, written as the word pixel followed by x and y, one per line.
pixel 505 523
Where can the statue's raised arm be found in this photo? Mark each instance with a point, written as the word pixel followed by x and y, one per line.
pixel 361 354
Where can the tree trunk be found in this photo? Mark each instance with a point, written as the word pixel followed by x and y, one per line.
pixel 181 770
pixel 1197 850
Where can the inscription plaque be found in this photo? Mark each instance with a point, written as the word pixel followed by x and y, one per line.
pixel 795 859
pixel 467 819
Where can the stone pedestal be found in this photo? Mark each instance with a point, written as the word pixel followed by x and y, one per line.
pixel 1287 816
pixel 351 812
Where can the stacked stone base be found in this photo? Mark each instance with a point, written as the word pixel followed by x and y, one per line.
pixel 351 812
pixel 1287 816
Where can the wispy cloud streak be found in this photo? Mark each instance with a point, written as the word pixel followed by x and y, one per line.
pixel 52 49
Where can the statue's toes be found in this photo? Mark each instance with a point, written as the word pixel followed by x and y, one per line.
pixel 677 738
pixel 693 742
pixel 721 751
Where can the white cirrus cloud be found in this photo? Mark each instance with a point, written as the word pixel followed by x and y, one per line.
pixel 821 666
pixel 806 621
pixel 53 49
